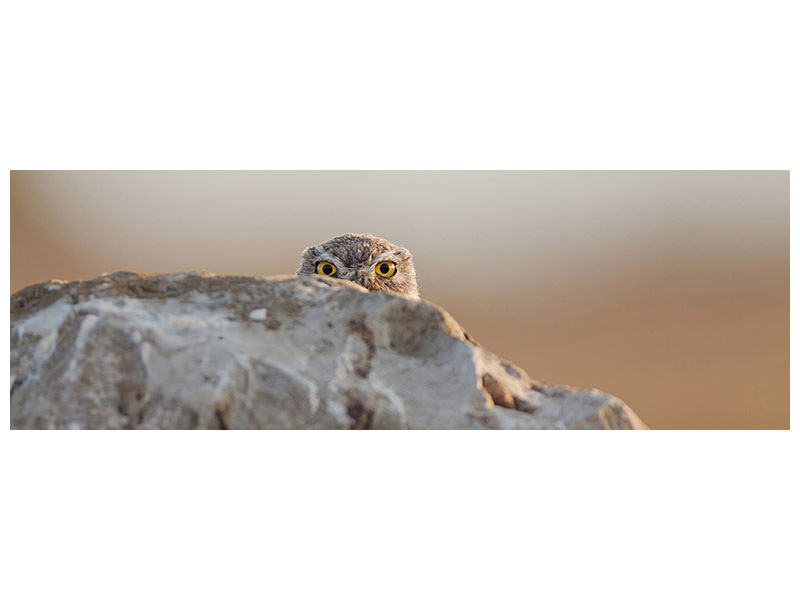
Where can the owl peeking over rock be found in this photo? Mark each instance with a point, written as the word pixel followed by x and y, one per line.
pixel 369 261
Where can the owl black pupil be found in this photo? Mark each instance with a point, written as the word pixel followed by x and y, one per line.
pixel 327 269
pixel 384 268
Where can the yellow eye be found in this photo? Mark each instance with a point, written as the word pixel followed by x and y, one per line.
pixel 386 268
pixel 326 268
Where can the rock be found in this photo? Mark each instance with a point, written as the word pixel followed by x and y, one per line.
pixel 198 351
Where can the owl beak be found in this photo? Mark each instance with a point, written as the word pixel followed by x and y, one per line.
pixel 358 277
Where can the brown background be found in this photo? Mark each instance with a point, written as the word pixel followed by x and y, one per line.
pixel 669 289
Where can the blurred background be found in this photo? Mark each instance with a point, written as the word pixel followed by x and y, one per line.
pixel 668 289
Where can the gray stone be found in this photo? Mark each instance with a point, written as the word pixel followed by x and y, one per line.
pixel 201 351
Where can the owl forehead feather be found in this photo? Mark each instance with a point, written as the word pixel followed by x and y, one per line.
pixel 355 249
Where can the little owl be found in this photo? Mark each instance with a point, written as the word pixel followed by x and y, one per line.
pixel 369 261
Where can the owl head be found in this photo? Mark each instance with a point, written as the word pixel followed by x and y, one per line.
pixel 366 260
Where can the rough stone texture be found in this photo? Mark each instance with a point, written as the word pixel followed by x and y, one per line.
pixel 200 351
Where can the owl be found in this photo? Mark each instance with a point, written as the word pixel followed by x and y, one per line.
pixel 366 260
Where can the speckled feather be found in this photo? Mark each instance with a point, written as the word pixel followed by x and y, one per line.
pixel 355 257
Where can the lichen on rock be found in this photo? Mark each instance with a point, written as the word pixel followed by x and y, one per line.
pixel 203 351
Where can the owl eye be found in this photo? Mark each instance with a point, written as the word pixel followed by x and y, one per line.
pixel 326 268
pixel 386 268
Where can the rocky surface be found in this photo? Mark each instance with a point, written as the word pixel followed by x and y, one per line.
pixel 201 351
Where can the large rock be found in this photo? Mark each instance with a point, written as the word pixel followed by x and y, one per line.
pixel 198 351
